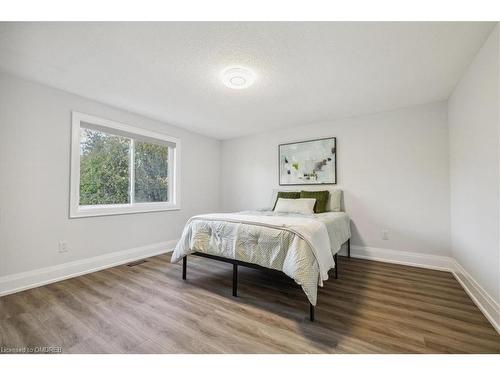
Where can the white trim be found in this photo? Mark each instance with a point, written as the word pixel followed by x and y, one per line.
pixel 487 304
pixel 132 172
pixel 174 169
pixel 121 209
pixel 435 262
pixel 31 279
pixel 124 129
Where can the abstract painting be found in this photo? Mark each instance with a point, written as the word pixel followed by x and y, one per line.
pixel 308 162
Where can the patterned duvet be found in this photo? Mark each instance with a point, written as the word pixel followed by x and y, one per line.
pixel 301 246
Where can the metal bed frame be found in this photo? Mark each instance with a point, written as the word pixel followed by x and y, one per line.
pixel 237 263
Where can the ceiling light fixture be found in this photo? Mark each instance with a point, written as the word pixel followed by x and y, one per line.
pixel 238 77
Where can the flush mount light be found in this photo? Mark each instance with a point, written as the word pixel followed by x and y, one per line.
pixel 238 77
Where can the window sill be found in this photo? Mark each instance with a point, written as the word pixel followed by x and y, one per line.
pixel 111 210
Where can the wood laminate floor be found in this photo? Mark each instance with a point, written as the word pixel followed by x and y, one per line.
pixel 372 308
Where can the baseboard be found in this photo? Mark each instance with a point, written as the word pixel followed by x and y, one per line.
pixel 488 306
pixel 25 280
pixel 31 279
pixel 435 262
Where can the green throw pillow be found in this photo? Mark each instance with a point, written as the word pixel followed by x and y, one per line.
pixel 321 199
pixel 286 195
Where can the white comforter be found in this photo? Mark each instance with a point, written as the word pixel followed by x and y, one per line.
pixel 302 246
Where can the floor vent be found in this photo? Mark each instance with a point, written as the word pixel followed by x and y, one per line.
pixel 136 263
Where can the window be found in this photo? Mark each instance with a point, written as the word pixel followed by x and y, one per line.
pixel 118 169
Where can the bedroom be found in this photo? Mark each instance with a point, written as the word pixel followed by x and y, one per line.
pixel 249 187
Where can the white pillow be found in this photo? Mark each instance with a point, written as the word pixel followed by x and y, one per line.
pixel 295 206
pixel 334 205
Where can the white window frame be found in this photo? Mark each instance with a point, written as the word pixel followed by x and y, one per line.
pixel 113 127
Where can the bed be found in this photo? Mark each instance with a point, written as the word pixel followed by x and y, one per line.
pixel 303 246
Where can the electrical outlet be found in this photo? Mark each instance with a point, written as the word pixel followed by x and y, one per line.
pixel 385 234
pixel 63 246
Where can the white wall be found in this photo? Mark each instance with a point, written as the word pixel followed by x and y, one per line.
pixel 35 124
pixel 392 166
pixel 474 168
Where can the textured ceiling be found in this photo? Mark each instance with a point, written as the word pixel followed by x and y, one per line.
pixel 306 72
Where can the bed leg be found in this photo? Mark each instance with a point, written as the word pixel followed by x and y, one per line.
pixel 311 312
pixel 349 248
pixel 336 258
pixel 235 280
pixel 184 267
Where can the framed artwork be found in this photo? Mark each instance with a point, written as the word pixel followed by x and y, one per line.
pixel 308 162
